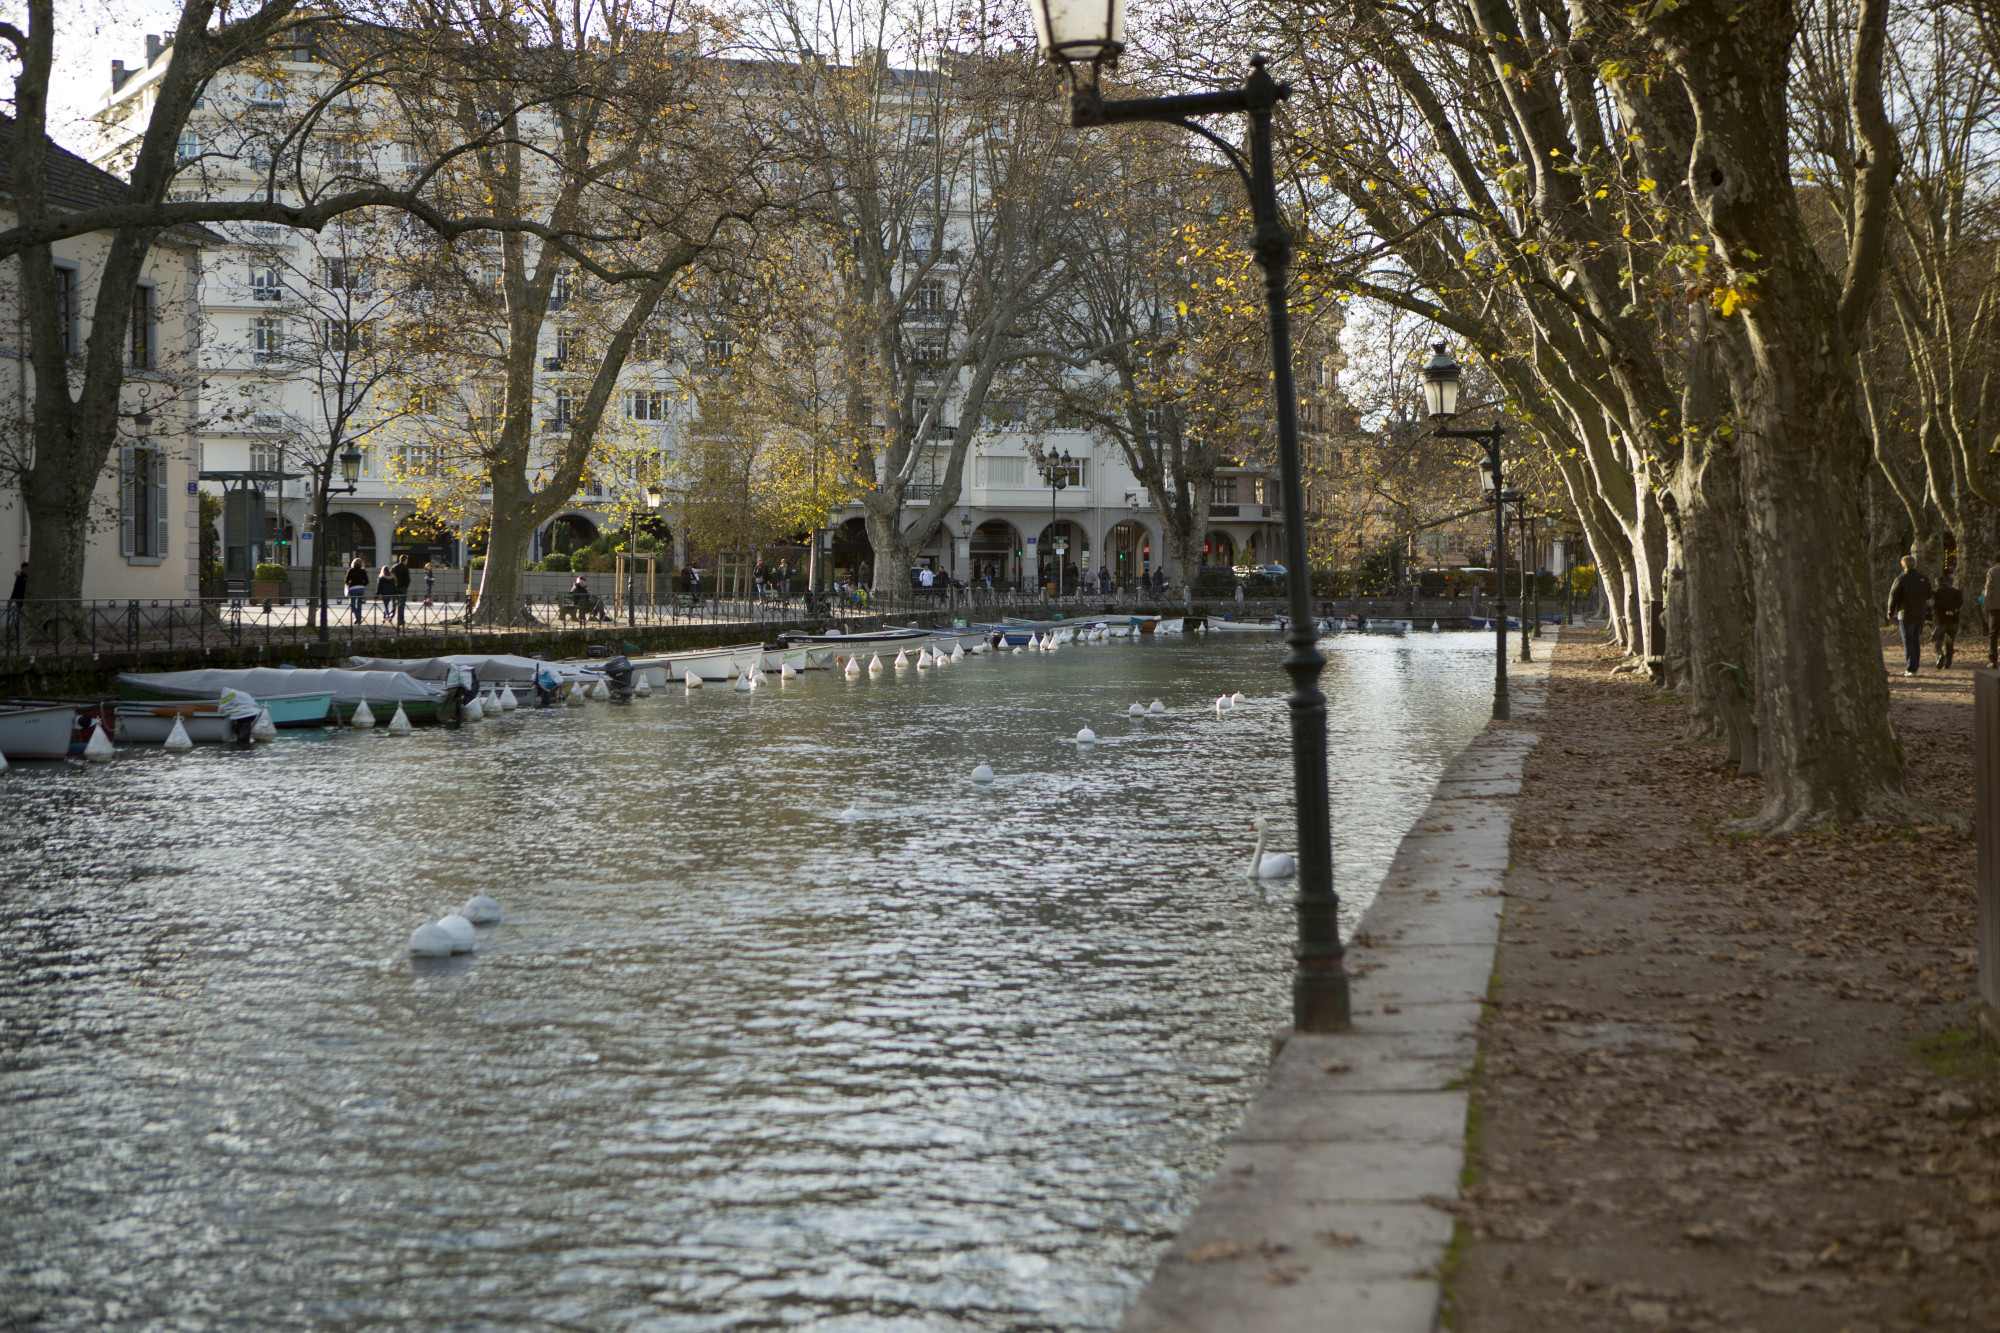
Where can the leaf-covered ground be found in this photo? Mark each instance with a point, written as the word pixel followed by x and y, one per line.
pixel 1727 1083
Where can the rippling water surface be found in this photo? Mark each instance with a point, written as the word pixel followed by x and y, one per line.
pixel 728 1063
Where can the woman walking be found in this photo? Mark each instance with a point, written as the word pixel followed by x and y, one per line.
pixel 386 593
pixel 357 587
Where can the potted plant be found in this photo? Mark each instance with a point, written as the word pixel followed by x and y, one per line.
pixel 270 582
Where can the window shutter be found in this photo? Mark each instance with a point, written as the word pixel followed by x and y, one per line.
pixel 127 457
pixel 159 480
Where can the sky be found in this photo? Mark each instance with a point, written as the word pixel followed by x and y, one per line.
pixel 90 34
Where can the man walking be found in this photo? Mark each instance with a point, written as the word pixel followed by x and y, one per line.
pixel 401 573
pixel 1946 602
pixel 1909 604
pixel 1989 600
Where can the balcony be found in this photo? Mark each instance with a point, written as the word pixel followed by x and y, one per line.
pixel 1242 513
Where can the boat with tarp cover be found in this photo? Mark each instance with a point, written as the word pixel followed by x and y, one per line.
pixel 422 701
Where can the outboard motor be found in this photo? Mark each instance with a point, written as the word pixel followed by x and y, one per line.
pixel 618 671
pixel 546 686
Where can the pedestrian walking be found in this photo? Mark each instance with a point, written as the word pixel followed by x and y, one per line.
pixel 1909 606
pixel 357 587
pixel 18 596
pixel 401 573
pixel 1946 603
pixel 430 581
pixel 1989 598
pixel 385 592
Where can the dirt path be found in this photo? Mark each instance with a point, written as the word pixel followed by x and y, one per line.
pixel 1727 1083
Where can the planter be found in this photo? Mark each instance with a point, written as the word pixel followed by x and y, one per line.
pixel 270 590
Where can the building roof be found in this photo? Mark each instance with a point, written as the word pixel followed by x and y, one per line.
pixel 75 185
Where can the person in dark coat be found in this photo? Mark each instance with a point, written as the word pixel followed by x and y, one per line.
pixel 357 587
pixel 1946 603
pixel 401 573
pixel 1909 606
pixel 385 592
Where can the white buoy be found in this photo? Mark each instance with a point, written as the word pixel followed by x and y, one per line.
pixel 480 910
pixel 923 659
pixel 474 711
pixel 1157 708
pixel 850 814
pixel 1137 710
pixel 364 717
pixel 430 941
pixel 643 686
pixel 460 930
pixel 875 664
pixel 1434 627
pixel 958 652
pixel 264 729
pixel 178 738
pixel 1019 649
pixel 938 659
pixel 745 683
pixel 1221 704
pixel 786 671
pixel 600 691
pixel 853 667
pixel 578 695
pixel 693 681
pixel 98 749
pixel 508 701
pixel 1236 699
pixel 982 774
pixel 1086 737
pixel 3 761
pixel 399 725
pixel 902 658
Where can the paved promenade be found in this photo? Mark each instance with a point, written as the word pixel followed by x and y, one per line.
pixel 1324 1214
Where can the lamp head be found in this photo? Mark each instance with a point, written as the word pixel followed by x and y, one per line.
pixel 350 465
pixel 965 525
pixel 1087 32
pixel 653 497
pixel 1441 384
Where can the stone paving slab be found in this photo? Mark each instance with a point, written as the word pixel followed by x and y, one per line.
pixel 1318 1218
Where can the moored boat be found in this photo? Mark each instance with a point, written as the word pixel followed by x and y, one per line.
pixel 383 691
pixel 206 721
pixel 36 730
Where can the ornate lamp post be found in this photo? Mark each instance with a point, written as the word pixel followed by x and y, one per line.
pixel 1055 471
pixel 1441 397
pixel 652 497
pixel 350 472
pixel 1531 601
pixel 1086 37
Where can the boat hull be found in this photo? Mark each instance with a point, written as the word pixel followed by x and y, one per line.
pixel 38 732
pixel 151 724
pixel 299 710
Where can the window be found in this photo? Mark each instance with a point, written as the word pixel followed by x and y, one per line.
pixel 346 155
pixel 1073 475
pixel 651 344
pixel 1006 471
pixel 66 313
pixel 921 131
pixel 646 405
pixel 1225 491
pixel 142 505
pixel 559 291
pixel 267 338
pixel 928 352
pixel 927 301
pixel 718 349
pixel 145 330
pixel 345 275
pixel 565 408
pixel 264 285
pixel 566 346
pixel 1008 411
pixel 351 337
pixel 266 93
pixel 188 149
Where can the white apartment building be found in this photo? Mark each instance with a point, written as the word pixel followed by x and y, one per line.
pixel 257 433
pixel 142 540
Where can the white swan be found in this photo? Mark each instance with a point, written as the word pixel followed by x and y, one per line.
pixel 1271 865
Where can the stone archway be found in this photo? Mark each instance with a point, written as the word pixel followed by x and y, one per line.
pixel 1128 553
pixel 996 553
pixel 1075 541
pixel 1218 550
pixel 347 535
pixel 853 554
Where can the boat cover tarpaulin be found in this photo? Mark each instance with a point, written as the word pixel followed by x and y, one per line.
pixel 503 669
pixel 348 688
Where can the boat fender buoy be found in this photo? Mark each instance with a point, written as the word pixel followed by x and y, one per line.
pixel 399 725
pixel 178 738
pixel 364 717
pixel 430 940
pixel 460 930
pixel 982 774
pixel 481 910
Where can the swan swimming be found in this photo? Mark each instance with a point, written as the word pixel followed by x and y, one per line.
pixel 1269 865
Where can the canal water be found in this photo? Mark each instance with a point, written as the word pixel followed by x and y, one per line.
pixel 729 1062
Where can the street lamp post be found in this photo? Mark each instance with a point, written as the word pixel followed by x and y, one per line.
pixel 1085 39
pixel 653 497
pixel 1055 471
pixel 1441 397
pixel 1530 602
pixel 350 472
pixel 965 562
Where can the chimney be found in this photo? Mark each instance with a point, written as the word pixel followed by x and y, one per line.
pixel 117 75
pixel 153 47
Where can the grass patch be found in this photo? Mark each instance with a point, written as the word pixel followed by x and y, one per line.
pixel 1957 1053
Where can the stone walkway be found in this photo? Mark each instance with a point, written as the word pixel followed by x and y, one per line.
pixel 1324 1213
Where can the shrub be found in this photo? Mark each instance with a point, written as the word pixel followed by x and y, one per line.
pixel 555 562
pixel 267 572
pixel 1214 581
pixel 478 562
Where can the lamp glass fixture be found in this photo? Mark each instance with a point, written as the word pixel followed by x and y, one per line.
pixel 350 464
pixel 1486 474
pixel 1092 31
pixel 1441 384
pixel 653 497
